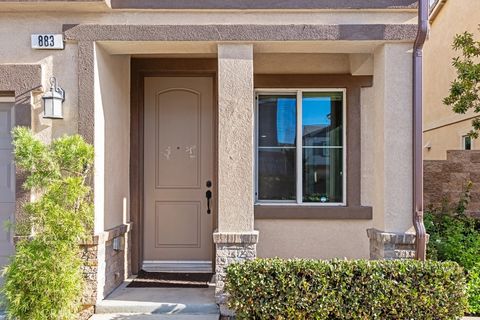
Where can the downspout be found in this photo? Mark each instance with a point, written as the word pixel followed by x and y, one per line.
pixel 421 234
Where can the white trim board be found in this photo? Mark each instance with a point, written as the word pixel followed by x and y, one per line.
pixel 177 266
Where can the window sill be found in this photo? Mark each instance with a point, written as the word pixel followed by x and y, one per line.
pixel 312 212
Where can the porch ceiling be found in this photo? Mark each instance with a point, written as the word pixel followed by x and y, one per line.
pixel 207 49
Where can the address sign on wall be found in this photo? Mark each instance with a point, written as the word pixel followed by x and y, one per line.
pixel 48 41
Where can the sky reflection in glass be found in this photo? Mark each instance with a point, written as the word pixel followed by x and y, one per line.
pixel 286 116
pixel 316 111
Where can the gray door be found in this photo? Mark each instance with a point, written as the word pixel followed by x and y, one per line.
pixel 7 180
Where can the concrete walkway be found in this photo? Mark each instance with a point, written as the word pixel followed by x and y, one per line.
pixel 174 317
pixel 158 303
pixel 153 317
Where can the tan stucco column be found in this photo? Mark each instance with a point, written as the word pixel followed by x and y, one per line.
pixel 392 234
pixel 235 238
pixel 235 137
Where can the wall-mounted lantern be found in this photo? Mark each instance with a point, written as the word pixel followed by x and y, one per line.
pixel 53 101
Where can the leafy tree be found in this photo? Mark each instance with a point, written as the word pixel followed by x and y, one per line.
pixel 44 280
pixel 465 89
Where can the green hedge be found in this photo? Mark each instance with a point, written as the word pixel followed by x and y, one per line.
pixel 313 289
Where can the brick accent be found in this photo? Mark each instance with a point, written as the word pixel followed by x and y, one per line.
pixel 104 268
pixel 231 247
pixel 390 245
pixel 445 180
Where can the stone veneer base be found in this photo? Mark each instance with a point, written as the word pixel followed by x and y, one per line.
pixel 231 247
pixel 104 268
pixel 391 245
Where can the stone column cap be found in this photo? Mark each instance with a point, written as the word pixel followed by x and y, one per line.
pixel 247 237
pixel 391 237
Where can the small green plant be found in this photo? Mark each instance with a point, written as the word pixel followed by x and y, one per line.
pixel 44 280
pixel 455 236
pixel 341 289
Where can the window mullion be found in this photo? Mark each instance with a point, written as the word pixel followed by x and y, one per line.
pixel 299 161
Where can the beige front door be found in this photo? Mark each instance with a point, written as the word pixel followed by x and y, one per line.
pixel 178 171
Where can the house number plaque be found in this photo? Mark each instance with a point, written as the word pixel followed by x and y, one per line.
pixel 48 41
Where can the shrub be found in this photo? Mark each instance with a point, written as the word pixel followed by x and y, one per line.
pixel 44 280
pixel 473 289
pixel 312 289
pixel 455 236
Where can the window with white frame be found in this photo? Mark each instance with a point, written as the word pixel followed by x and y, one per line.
pixel 466 142
pixel 301 146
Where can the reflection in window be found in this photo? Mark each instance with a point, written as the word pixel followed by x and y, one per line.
pixel 277 121
pixel 276 144
pixel 322 118
pixel 322 134
pixel 319 116
pixel 276 167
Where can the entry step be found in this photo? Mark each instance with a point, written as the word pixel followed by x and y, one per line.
pixel 157 308
pixel 160 301
pixel 130 316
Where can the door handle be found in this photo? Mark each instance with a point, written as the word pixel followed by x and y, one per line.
pixel 208 195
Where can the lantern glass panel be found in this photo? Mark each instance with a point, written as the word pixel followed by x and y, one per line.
pixel 57 108
pixel 48 107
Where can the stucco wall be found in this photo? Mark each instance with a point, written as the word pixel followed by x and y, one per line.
pixel 368 127
pixel 15 34
pixel 393 137
pixel 445 138
pixel 443 128
pixel 112 139
pixel 315 239
pixel 16 28
pixel 235 138
pixel 227 17
pixel 386 172
pixel 308 63
pixel 301 63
